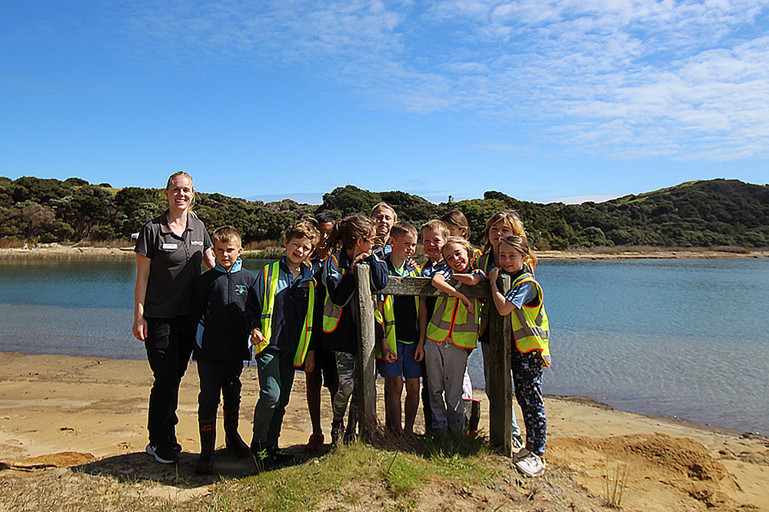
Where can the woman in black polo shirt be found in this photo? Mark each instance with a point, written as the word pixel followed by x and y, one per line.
pixel 169 254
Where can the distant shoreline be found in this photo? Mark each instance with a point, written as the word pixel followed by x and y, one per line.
pixel 59 252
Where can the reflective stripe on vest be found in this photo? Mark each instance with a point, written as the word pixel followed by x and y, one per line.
pixel 388 320
pixel 271 273
pixel 531 328
pixel 452 320
pixel 331 312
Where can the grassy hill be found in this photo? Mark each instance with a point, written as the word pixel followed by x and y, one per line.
pixel 693 214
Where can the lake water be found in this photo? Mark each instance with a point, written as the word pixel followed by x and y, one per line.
pixel 683 338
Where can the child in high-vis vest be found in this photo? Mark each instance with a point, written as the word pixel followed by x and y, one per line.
pixel 280 314
pixel 452 334
pixel 457 223
pixel 500 225
pixel 340 331
pixel 530 351
pixel 405 320
pixel 434 236
pixel 220 301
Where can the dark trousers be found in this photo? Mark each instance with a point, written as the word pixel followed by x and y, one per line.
pixel 169 345
pixel 527 377
pixel 218 377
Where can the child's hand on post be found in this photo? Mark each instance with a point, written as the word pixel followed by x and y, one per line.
pixel 358 258
pixel 493 275
pixel 257 338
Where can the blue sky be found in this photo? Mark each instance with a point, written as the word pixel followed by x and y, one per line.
pixel 544 100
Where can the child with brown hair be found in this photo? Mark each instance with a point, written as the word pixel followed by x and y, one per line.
pixel 530 353
pixel 357 235
pixel 280 314
pixel 405 319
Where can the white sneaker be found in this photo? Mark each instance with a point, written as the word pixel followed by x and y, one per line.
pixel 163 456
pixel 530 464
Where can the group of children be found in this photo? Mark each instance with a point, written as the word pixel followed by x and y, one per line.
pixel 298 313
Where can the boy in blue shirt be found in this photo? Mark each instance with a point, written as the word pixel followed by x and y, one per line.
pixel 405 320
pixel 220 301
pixel 280 317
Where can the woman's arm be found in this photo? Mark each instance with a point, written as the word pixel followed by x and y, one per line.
pixel 140 292
pixel 209 260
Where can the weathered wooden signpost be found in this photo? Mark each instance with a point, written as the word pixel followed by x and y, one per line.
pixel 499 385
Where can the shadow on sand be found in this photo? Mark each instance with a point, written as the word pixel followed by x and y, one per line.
pixel 139 466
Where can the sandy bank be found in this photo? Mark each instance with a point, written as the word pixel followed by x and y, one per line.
pixel 95 407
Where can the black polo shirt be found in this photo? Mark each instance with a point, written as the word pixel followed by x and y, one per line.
pixel 176 263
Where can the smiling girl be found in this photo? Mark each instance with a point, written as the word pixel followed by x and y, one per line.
pixel 451 335
pixel 530 351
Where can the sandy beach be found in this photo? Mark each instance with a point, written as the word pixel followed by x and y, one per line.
pixel 70 411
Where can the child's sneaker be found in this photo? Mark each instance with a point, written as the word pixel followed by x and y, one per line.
pixel 279 457
pixel 517 442
pixel 529 463
pixel 163 454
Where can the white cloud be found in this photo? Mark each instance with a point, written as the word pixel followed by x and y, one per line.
pixel 622 77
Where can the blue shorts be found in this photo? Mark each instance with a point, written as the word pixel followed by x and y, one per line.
pixel 403 366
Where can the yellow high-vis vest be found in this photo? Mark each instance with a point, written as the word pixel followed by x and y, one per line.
pixel 531 328
pixel 271 272
pixel 331 312
pixel 387 319
pixel 451 320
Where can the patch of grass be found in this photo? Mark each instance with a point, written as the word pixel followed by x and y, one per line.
pixel 615 483
pixel 404 474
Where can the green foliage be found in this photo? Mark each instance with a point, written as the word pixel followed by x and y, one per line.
pixel 693 214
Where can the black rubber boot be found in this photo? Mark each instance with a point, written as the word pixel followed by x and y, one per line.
pixel 207 444
pixel 232 438
pixel 475 416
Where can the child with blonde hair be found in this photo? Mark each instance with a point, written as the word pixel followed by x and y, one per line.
pixel 451 335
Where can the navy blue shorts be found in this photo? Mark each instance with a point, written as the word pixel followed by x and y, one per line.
pixel 403 366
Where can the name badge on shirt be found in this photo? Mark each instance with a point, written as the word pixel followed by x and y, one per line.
pixel 170 247
pixel 196 242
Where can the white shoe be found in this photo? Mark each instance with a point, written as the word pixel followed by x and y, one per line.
pixel 530 464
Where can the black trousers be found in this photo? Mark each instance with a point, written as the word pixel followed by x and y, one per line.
pixel 218 376
pixel 169 346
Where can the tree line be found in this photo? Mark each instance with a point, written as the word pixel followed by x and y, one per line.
pixel 693 214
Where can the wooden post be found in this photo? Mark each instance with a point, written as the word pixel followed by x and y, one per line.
pixel 365 376
pixel 500 385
